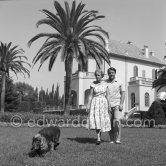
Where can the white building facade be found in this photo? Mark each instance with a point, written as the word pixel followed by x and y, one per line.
pixel 136 69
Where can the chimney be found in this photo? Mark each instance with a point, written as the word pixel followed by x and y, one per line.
pixel 146 51
pixel 152 53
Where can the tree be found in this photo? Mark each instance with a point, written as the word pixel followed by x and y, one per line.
pixel 42 96
pixel 26 92
pixel 161 80
pixel 52 96
pixel 72 39
pixel 11 97
pixel 11 59
pixel 56 96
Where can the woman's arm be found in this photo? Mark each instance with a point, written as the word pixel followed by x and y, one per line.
pixel 89 100
pixel 107 95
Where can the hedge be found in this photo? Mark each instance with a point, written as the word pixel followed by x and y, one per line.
pixel 41 119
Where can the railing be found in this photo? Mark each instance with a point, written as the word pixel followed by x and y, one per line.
pixel 52 109
pixel 128 113
pixel 140 78
pixel 84 75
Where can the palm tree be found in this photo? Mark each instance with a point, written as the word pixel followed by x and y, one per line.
pixel 161 80
pixel 11 59
pixel 71 39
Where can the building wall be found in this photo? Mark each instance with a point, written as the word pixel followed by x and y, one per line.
pixel 133 89
pixel 125 70
pixel 150 91
pixel 141 66
pixel 80 83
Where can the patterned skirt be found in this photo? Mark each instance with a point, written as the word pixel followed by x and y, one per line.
pixel 99 117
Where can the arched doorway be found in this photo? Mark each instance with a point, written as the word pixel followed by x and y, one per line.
pixel 86 96
pixel 73 101
pixel 132 100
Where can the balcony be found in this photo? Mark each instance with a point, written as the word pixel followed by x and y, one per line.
pixel 84 75
pixel 140 81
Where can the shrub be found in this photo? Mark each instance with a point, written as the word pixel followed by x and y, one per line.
pixel 24 106
pixel 79 112
pixel 156 112
pixel 41 119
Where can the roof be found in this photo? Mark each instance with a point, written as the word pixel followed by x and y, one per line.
pixel 128 50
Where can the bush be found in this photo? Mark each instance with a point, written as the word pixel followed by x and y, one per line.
pixel 40 119
pixel 156 112
pixel 24 106
pixel 79 112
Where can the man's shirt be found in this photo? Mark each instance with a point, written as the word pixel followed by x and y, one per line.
pixel 114 92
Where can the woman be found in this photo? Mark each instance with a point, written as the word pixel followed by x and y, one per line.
pixel 97 107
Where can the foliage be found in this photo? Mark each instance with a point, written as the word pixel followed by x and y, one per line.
pixel 56 96
pixel 156 113
pixel 24 106
pixel 51 98
pixel 11 97
pixel 11 59
pixel 42 118
pixel 72 39
pixel 78 112
pixel 25 91
pixel 161 80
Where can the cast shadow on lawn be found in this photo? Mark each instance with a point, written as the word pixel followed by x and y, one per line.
pixel 84 140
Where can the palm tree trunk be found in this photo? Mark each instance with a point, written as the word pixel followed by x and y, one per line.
pixel 68 69
pixel 3 92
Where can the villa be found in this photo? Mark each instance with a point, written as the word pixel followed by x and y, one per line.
pixel 136 68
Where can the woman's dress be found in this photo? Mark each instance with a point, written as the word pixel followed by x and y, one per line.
pixel 99 117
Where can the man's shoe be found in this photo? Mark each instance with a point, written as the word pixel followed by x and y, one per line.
pixel 98 142
pixel 117 142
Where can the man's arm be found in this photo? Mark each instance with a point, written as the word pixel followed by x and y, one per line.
pixel 122 98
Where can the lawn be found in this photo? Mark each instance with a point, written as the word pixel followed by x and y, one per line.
pixel 140 146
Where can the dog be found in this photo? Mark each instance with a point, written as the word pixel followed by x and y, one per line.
pixel 45 140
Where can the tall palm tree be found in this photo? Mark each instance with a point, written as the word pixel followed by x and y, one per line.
pixel 72 39
pixel 161 80
pixel 11 59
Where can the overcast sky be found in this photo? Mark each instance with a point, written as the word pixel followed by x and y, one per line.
pixel 141 21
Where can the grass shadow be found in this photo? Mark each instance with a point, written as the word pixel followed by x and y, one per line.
pixel 84 140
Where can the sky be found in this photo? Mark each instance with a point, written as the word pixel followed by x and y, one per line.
pixel 141 21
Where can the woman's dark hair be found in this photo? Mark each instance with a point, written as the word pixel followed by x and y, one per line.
pixel 111 68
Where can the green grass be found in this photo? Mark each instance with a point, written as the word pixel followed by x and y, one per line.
pixel 140 146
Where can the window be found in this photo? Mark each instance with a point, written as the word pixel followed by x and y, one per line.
pixel 135 71
pixel 143 74
pixel 146 99
pixel 132 100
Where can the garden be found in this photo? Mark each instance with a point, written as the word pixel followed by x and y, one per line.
pixel 140 146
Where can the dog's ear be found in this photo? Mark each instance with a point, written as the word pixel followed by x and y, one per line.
pixel 37 137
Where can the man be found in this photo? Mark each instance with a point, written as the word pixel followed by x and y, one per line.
pixel 115 97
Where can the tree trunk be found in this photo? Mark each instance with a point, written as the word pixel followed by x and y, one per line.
pixel 3 92
pixel 68 69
